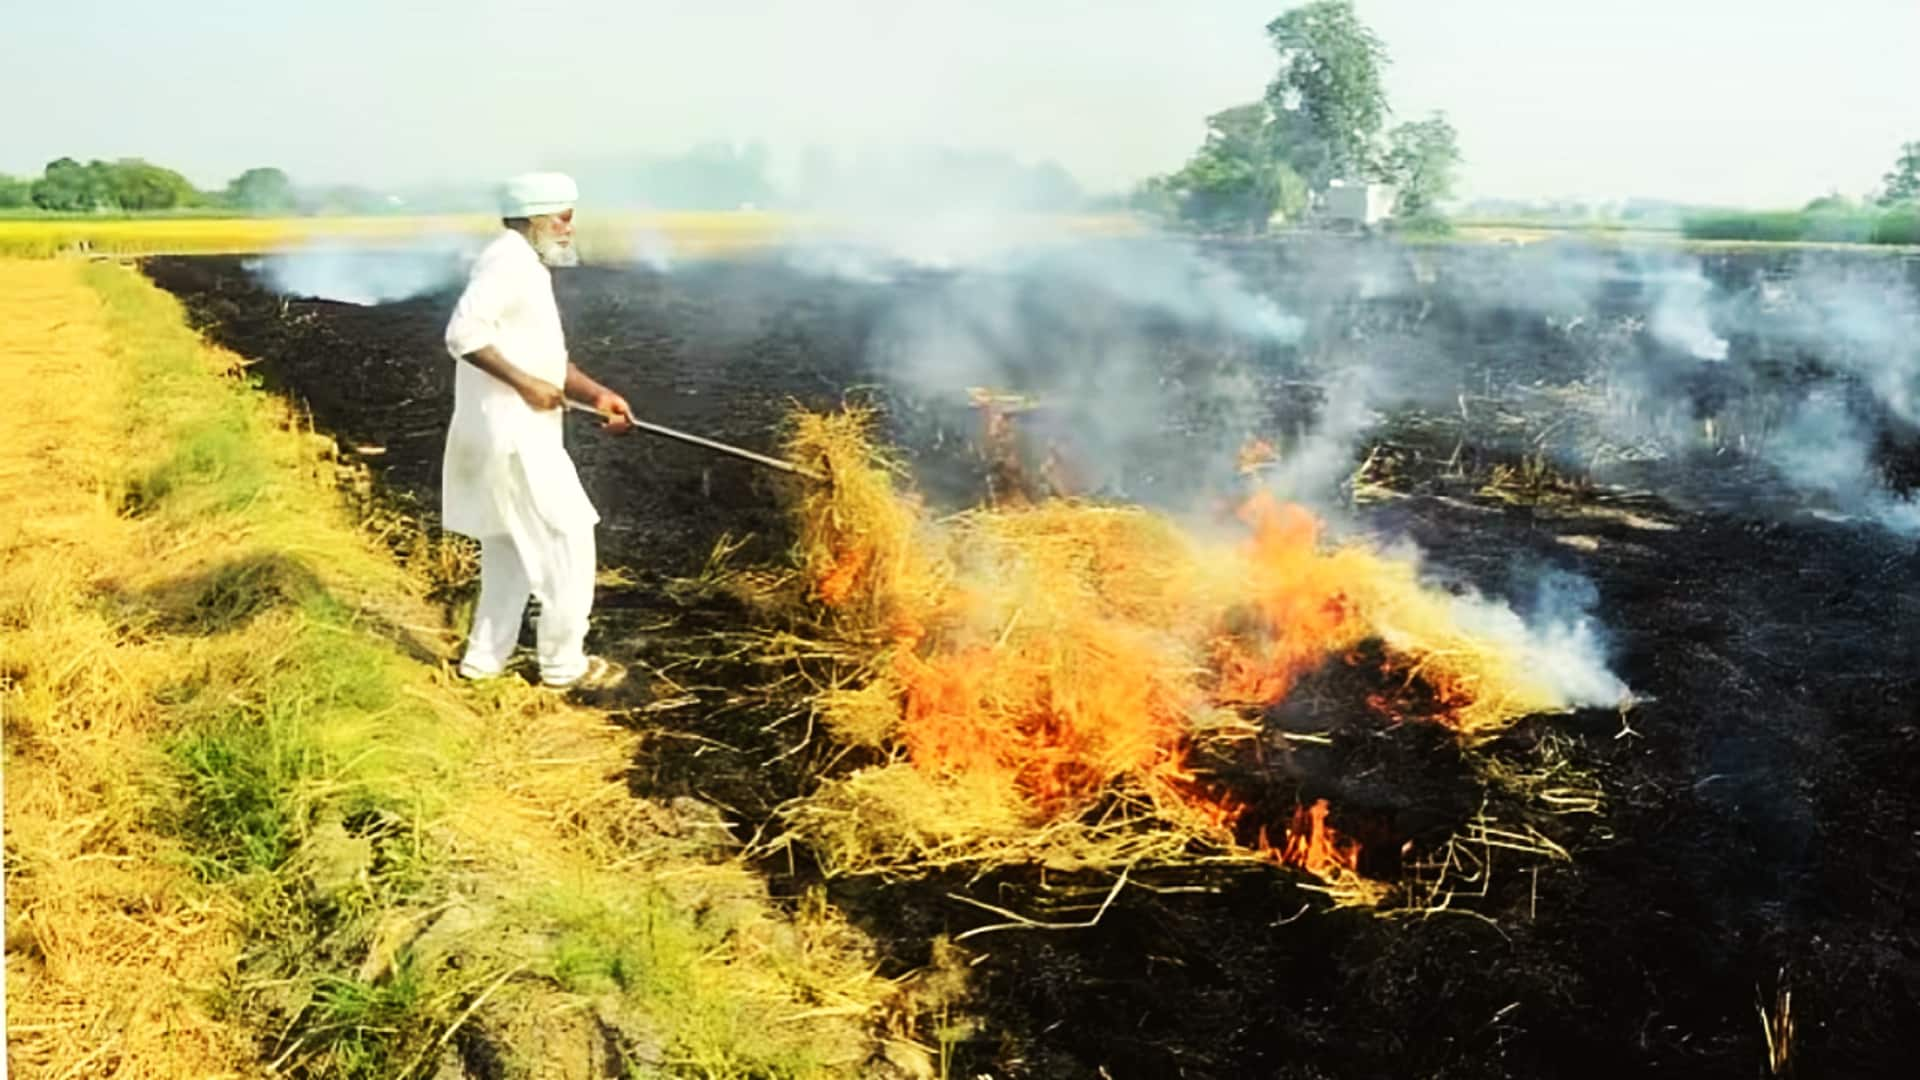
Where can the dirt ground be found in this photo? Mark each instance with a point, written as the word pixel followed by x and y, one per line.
pixel 1760 827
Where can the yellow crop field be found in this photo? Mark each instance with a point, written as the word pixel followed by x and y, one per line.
pixel 609 236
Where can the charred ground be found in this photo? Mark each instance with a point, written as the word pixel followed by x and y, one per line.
pixel 1760 828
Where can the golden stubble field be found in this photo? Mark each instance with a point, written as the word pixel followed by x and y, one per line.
pixel 602 236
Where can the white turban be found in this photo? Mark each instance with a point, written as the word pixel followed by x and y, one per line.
pixel 532 194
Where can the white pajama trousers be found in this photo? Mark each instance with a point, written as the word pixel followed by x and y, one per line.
pixel 556 567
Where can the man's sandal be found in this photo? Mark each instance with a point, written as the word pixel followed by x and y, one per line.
pixel 469 673
pixel 601 674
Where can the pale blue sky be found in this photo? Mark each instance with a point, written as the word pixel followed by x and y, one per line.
pixel 1739 101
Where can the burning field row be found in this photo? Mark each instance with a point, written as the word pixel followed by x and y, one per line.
pixel 1082 685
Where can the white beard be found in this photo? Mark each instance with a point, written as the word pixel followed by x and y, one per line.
pixel 555 252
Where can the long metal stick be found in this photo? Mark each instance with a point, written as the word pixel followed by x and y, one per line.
pixel 710 444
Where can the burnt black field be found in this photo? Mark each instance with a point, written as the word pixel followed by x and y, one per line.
pixel 1760 819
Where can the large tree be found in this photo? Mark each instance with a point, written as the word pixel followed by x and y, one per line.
pixel 1320 121
pixel 1420 160
pixel 139 185
pixel 1327 100
pixel 67 185
pixel 1903 183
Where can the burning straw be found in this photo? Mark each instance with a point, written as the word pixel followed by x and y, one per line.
pixel 1042 677
pixel 858 546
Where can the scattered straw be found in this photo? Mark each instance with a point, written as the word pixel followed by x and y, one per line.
pixel 866 715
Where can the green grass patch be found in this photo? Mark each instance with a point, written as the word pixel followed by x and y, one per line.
pixel 687 963
pixel 372 1030
pixel 270 744
pixel 1898 225
pixel 210 459
pixel 212 463
pixel 236 784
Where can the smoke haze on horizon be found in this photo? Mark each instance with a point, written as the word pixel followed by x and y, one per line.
pixel 1712 101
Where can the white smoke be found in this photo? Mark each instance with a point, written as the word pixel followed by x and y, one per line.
pixel 879 247
pixel 1314 465
pixel 1173 278
pixel 1824 450
pixel 650 248
pixel 1643 342
pixel 844 261
pixel 1560 640
pixel 1085 328
pixel 1680 318
pixel 1863 319
pixel 362 274
pixel 1656 335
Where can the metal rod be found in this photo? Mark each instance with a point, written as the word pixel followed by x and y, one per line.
pixel 710 444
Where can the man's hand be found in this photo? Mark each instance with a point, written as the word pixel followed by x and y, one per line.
pixel 614 408
pixel 540 395
pixel 609 404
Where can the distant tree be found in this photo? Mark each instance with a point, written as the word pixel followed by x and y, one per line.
pixel 260 190
pixel 1244 131
pixel 134 184
pixel 1902 185
pixel 1327 101
pixel 67 185
pixel 1830 203
pixel 15 193
pixel 1420 161
pixel 1237 177
pixel 1154 196
pixel 1215 190
pixel 128 184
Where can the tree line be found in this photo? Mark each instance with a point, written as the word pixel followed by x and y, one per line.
pixel 708 176
pixel 1323 118
pixel 133 185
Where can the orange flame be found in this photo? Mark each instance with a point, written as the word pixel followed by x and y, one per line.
pixel 836 586
pixel 1058 719
pixel 1255 454
pixel 1055 649
pixel 1301 607
pixel 1106 687
pixel 1313 846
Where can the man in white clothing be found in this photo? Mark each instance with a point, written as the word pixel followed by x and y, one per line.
pixel 507 479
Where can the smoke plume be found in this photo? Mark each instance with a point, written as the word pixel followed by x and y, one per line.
pixel 359 274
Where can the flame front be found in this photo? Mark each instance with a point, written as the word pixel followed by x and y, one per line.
pixel 1042 656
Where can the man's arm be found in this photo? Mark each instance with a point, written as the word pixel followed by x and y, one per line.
pixel 581 387
pixel 475 326
pixel 539 394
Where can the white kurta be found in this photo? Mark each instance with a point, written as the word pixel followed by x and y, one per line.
pixel 507 480
pixel 504 461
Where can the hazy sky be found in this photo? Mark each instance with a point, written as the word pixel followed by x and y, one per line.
pixel 1738 101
